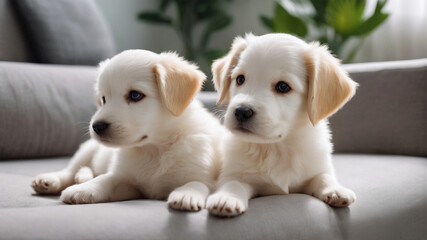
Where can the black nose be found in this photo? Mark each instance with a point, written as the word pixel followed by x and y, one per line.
pixel 243 113
pixel 99 127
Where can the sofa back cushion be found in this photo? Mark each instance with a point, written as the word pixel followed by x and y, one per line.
pixel 12 42
pixel 65 31
pixel 44 109
pixel 388 114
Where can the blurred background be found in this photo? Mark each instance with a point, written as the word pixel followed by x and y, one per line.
pixel 401 36
pixel 83 32
pixel 355 30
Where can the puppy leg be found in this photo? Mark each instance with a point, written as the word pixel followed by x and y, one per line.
pixel 83 175
pixel 103 188
pixel 326 188
pixel 230 200
pixel 191 197
pixel 55 182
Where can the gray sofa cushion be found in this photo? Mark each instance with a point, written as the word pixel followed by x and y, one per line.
pixel 44 109
pixel 389 111
pixel 12 42
pixel 391 205
pixel 65 32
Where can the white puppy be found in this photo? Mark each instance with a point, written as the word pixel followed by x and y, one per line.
pixel 279 90
pixel 149 138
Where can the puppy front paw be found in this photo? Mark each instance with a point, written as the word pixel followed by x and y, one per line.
pixel 47 184
pixel 226 205
pixel 186 200
pixel 337 196
pixel 83 194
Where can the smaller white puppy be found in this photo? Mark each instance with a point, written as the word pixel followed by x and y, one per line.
pixel 149 137
pixel 279 92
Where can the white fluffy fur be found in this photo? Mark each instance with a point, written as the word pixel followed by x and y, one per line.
pixel 281 150
pixel 151 151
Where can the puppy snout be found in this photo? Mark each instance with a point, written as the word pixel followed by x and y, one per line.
pixel 100 127
pixel 243 113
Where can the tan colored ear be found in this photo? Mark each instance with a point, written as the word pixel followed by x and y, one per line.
pixel 329 86
pixel 221 69
pixel 178 82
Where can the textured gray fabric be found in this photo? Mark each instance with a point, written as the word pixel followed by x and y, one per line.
pixel 12 42
pixel 65 32
pixel 32 167
pixel 391 205
pixel 44 109
pixel 388 114
pixel 19 197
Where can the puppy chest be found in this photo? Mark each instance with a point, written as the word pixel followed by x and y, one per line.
pixel 280 170
pixel 153 181
pixel 155 188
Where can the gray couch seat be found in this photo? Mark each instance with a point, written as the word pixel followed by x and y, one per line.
pixel 391 205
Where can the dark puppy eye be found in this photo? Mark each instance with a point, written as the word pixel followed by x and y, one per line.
pixel 240 80
pixel 282 87
pixel 103 99
pixel 135 96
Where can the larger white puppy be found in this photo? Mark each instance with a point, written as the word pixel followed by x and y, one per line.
pixel 279 90
pixel 149 138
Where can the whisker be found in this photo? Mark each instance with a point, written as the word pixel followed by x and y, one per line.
pixel 84 127
pixel 219 112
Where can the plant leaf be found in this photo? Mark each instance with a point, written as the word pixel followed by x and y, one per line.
pixel 218 23
pixel 377 18
pixel 164 4
pixel 154 17
pixel 213 54
pixel 267 22
pixel 215 24
pixel 285 22
pixel 206 9
pixel 320 7
pixel 345 16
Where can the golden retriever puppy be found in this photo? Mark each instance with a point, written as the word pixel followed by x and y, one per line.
pixel 279 92
pixel 150 139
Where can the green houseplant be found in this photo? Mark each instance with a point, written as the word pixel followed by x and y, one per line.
pixel 210 14
pixel 331 22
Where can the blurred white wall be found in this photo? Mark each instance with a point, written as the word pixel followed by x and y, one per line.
pixel 402 36
pixel 131 33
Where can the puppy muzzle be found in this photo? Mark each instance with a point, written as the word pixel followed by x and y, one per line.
pixel 243 113
pixel 100 127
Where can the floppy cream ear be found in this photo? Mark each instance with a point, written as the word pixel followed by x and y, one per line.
pixel 329 86
pixel 178 82
pixel 221 69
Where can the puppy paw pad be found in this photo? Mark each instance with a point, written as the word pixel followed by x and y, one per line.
pixel 338 196
pixel 77 194
pixel 226 206
pixel 46 184
pixel 186 201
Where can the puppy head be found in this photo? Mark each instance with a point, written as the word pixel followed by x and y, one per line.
pixel 139 93
pixel 275 83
